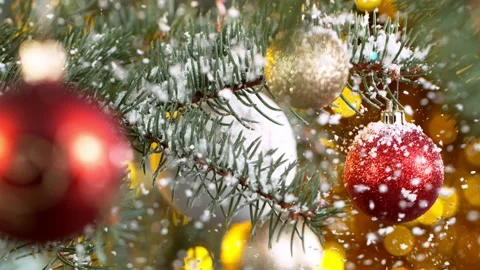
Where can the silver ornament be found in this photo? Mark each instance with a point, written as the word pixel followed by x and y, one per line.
pixel 307 69
pixel 257 255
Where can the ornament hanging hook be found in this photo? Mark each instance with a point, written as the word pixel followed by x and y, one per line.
pixel 392 115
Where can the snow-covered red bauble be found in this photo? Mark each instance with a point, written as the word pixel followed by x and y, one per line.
pixel 393 171
pixel 61 162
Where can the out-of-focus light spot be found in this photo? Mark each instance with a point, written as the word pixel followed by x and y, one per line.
pixel 42 61
pixel 367 5
pixel 198 258
pixel 233 244
pixel 328 143
pixel 339 106
pixel 121 155
pixel 270 62
pixel 155 159
pixel 134 173
pixel 443 128
pixel 389 8
pixel 472 190
pixel 472 152
pixel 433 214
pixel 88 149
pixel 399 242
pixel 450 201
pixel 333 257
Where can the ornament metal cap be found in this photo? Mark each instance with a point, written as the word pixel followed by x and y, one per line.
pixel 393 116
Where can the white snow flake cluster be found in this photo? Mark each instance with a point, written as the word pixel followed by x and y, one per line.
pixel 389 135
pixel 381 45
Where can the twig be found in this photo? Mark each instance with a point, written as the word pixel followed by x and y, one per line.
pixel 295 215
pixel 199 95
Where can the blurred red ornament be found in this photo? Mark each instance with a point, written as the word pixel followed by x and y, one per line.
pixel 61 162
pixel 393 171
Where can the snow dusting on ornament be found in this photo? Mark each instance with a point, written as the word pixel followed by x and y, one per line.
pixel 393 172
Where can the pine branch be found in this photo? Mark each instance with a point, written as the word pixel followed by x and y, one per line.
pixel 307 208
pixel 457 41
pixel 294 215
pixel 201 96
pixel 148 74
pixel 381 54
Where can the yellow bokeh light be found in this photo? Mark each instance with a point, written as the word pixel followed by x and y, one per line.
pixel 233 244
pixel 328 143
pixel 411 223
pixel 269 63
pixel 388 7
pixel 367 5
pixel 339 106
pixel 449 199
pixel 442 128
pixel 135 180
pixel 433 214
pixel 446 240
pixel 178 218
pixel 168 115
pixel 472 190
pixel 472 152
pixel 399 242
pixel 198 258
pixel 155 159
pixel 333 257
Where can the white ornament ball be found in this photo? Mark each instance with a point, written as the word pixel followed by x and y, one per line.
pixel 307 69
pixel 273 136
pixel 257 254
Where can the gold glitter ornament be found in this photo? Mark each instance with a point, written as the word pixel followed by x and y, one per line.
pixel 307 69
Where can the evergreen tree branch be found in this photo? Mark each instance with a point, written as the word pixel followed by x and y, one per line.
pixel 457 40
pixel 148 75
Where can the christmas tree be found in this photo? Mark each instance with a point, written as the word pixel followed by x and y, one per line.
pixel 237 134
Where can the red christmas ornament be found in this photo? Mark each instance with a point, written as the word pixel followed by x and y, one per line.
pixel 61 162
pixel 393 171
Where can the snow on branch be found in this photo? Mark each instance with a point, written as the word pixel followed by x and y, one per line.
pixel 197 147
pixel 382 54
